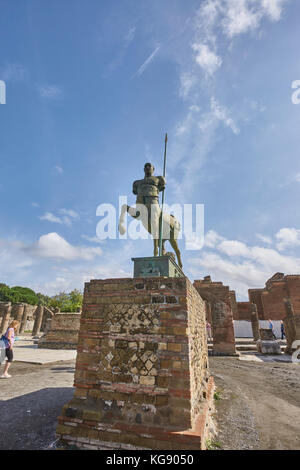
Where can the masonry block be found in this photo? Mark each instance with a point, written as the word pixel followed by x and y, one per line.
pixel 153 357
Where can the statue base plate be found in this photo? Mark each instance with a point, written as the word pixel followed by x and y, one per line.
pixel 156 266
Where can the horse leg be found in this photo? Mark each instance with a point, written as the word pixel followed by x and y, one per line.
pixel 131 211
pixel 121 225
pixel 155 243
pixel 163 247
pixel 175 247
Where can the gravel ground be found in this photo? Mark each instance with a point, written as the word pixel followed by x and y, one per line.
pixel 258 406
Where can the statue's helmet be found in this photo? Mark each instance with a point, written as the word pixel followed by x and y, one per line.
pixel 149 165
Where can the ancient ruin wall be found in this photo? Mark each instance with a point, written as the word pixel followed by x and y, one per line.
pixel 63 332
pixel 198 354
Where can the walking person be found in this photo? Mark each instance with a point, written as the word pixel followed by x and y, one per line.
pixel 271 326
pixel 208 330
pixel 282 329
pixel 9 339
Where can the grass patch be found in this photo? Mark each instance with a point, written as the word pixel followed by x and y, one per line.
pixel 213 445
pixel 217 395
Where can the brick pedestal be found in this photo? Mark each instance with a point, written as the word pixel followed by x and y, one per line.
pixel 142 378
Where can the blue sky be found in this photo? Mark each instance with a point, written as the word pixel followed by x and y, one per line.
pixel 91 88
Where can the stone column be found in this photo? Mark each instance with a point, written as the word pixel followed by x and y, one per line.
pixel 289 325
pixel 26 312
pixel 222 329
pixel 47 314
pixel 38 320
pixel 17 314
pixel 254 322
pixel 6 308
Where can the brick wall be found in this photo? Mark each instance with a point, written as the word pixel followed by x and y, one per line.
pixel 269 300
pixel 243 311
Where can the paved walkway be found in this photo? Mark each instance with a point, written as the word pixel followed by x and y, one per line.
pixel 27 351
pixel 265 358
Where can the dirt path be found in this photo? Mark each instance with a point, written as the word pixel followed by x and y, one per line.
pixel 259 406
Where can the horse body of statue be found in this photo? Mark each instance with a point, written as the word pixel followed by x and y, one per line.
pixel 148 211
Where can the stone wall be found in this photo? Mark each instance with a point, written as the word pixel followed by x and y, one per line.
pixel 243 311
pixel 62 333
pixel 222 302
pixel 142 379
pixel 270 299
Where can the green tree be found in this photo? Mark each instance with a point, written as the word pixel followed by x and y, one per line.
pixel 67 302
pixel 5 293
pixel 24 294
pixel 64 301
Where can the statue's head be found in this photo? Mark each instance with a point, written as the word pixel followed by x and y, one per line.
pixel 149 169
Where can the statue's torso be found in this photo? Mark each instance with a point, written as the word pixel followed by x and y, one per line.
pixel 149 187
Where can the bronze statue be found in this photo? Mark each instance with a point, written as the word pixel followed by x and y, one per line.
pixel 148 211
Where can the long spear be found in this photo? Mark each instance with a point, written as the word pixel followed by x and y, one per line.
pixel 162 200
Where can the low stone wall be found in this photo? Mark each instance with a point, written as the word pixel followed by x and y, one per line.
pixel 142 379
pixel 62 332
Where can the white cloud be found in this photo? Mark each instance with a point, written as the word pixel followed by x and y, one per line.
pixel 70 213
pixel 297 178
pixel 287 238
pixel 13 72
pixel 264 238
pixel 240 16
pixel 234 17
pixel 216 24
pixel 233 248
pixel 241 266
pixel 147 62
pixel 53 245
pixel 273 8
pixel 59 169
pixel 212 238
pixel 35 204
pixel 238 275
pixel 221 113
pixel 194 139
pixel 187 82
pixel 52 264
pixel 129 37
pixel 51 92
pixel 53 218
pixel 92 239
pixel 206 58
pixel 76 275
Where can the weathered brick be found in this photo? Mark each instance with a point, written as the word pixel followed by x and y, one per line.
pixel 174 347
